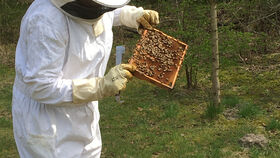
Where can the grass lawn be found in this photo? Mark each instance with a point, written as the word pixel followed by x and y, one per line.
pixel 154 122
pixel 7 143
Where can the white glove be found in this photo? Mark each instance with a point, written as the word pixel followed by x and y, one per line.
pixel 86 90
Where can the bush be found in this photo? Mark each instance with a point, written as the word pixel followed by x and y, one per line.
pixel 11 12
pixel 248 110
pixel 273 125
pixel 213 111
pixel 230 101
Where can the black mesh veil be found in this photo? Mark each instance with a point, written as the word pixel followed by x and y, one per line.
pixel 81 10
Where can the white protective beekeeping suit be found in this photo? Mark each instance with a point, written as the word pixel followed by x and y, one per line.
pixel 59 56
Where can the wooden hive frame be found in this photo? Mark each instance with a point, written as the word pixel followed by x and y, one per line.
pixel 150 58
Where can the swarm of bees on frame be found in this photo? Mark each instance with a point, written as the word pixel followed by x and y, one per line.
pixel 157 56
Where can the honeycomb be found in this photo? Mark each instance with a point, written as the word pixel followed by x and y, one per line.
pixel 158 58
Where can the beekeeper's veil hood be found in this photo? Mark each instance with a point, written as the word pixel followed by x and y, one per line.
pixel 89 10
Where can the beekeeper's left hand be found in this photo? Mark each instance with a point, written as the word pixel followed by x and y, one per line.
pixel 139 18
pixel 148 20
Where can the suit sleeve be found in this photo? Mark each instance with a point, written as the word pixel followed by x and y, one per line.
pixel 46 51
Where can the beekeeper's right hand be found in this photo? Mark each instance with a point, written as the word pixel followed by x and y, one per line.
pixel 86 90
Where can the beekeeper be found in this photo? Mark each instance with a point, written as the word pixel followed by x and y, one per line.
pixel 61 58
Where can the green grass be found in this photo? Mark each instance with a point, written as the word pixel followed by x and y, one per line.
pixel 273 125
pixel 11 12
pixel 7 143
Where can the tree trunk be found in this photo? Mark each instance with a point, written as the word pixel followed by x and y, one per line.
pixel 188 75
pixel 178 13
pixel 215 55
